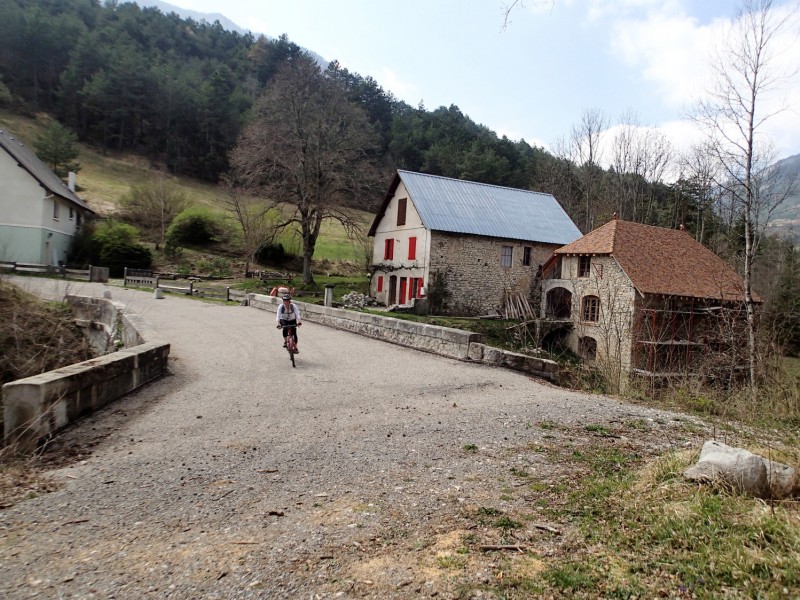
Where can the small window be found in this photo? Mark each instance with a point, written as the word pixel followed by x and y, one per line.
pixel 506 256
pixel 71 214
pixel 587 348
pixel 55 209
pixel 412 248
pixel 526 256
pixel 584 266
pixel 388 250
pixel 591 308
pixel 401 211
pixel 380 283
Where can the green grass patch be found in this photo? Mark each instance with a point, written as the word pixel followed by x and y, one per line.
pixel 643 531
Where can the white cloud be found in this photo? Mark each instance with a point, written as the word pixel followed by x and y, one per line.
pixel 670 51
pixel 391 81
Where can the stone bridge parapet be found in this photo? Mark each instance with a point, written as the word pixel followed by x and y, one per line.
pixel 38 406
pixel 447 341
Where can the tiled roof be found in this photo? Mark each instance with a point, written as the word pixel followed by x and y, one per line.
pixel 458 206
pixel 38 170
pixel 662 261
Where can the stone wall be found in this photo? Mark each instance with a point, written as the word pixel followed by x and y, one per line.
pixel 471 267
pixel 38 406
pixel 613 331
pixel 454 343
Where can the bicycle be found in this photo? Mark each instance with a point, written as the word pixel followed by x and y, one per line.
pixel 290 345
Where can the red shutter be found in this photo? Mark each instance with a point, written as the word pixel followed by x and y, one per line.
pixel 412 248
pixel 380 283
pixel 419 287
pixel 388 250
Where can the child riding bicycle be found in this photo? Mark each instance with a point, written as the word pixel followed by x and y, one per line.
pixel 288 318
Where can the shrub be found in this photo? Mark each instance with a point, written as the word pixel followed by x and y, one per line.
pixel 113 231
pixel 271 254
pixel 85 249
pixel 152 207
pixel 118 255
pixel 196 226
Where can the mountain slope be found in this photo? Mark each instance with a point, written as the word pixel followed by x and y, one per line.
pixel 786 218
pixel 166 8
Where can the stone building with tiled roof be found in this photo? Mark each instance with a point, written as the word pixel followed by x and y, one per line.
pixel 643 300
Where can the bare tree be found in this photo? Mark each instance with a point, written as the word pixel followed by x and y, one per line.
pixel 153 206
pixel 698 173
pixel 641 156
pixel 253 218
pixel 734 114
pixel 583 147
pixel 520 4
pixel 310 151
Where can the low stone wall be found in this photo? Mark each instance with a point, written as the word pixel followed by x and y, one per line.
pixel 455 343
pixel 439 340
pixel 38 406
pixel 541 367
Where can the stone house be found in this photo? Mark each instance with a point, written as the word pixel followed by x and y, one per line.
pixel 634 299
pixel 471 244
pixel 39 214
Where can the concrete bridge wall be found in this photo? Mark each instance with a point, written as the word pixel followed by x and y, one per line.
pixel 38 406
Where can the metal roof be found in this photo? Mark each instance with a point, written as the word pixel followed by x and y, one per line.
pixel 457 206
pixel 38 170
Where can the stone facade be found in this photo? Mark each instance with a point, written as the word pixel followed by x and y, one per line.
pixel 475 279
pixel 612 331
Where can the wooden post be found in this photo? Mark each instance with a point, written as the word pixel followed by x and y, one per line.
pixel 191 287
pixel 227 294
pixel 125 277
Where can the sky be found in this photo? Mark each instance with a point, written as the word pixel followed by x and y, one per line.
pixel 534 76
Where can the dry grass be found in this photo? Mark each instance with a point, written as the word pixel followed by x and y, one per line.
pixel 36 336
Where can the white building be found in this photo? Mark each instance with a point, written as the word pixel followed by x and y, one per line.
pixel 39 214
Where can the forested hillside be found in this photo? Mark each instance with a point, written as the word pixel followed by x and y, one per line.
pixel 179 92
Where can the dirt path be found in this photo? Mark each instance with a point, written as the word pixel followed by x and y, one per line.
pixel 364 472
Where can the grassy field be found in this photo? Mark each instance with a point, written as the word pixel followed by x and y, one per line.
pixel 106 176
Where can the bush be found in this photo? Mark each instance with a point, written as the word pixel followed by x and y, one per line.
pixel 85 249
pixel 271 254
pixel 195 226
pixel 152 207
pixel 118 255
pixel 112 231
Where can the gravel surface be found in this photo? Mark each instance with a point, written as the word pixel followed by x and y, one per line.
pixel 352 475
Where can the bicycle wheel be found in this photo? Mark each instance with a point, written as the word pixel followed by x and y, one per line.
pixel 290 348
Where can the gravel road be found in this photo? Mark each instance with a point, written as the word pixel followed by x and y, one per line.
pixel 349 476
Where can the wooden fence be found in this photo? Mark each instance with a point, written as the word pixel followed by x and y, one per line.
pixel 149 279
pixel 99 274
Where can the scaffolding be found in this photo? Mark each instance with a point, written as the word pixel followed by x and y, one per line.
pixel 680 338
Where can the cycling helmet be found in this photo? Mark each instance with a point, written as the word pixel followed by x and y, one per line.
pixel 287 296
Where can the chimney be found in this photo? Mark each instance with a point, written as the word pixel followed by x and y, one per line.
pixel 71 181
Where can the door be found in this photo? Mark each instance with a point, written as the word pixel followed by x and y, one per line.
pixel 392 297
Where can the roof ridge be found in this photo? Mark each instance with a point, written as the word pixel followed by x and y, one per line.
pixel 492 185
